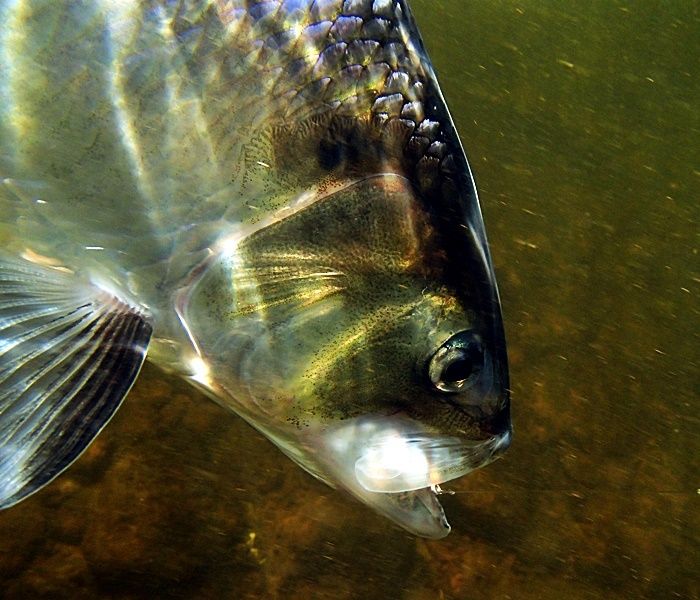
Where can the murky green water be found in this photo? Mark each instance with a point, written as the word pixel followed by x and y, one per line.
pixel 581 121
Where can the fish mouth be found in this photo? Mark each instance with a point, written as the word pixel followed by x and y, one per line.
pixel 395 462
pixel 419 510
pixel 392 465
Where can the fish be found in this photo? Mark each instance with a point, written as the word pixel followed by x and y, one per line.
pixel 268 199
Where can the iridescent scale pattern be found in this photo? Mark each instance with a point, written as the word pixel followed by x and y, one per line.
pixel 353 57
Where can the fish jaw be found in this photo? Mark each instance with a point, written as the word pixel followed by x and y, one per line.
pixel 419 511
pixel 393 465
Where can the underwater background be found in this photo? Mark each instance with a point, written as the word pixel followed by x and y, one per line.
pixel 581 121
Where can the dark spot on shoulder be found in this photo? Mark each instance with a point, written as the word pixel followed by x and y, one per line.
pixel 341 147
pixel 329 155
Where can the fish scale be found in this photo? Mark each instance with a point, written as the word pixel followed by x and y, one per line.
pixel 365 34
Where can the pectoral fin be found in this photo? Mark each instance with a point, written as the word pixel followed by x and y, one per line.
pixel 69 353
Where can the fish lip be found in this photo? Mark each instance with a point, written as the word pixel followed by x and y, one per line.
pixel 502 442
pixel 490 449
pixel 428 496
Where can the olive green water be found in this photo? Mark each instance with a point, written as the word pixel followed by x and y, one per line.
pixel 582 123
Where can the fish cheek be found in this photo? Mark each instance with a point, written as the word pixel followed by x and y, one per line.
pixel 361 354
pixel 368 369
pixel 315 314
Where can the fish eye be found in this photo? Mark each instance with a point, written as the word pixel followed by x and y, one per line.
pixel 458 363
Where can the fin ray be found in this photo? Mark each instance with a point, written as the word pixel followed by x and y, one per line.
pixel 25 338
pixel 70 353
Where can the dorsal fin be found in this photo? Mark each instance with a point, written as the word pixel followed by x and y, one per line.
pixel 69 353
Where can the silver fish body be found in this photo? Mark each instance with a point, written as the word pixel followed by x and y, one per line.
pixel 266 198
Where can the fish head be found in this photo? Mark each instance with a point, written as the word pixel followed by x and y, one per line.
pixel 360 329
pixel 355 318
